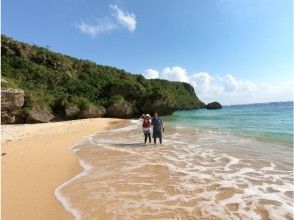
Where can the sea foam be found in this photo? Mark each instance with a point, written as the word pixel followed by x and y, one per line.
pixel 194 174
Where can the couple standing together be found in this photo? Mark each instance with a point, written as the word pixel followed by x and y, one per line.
pixel 157 124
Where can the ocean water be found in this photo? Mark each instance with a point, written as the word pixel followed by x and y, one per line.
pixel 266 121
pixel 234 163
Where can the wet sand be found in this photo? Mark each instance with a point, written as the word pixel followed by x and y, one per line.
pixel 36 160
pixel 194 174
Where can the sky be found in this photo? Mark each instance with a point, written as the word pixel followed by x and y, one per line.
pixel 231 51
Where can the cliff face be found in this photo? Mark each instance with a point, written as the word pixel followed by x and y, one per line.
pixel 61 87
pixel 11 102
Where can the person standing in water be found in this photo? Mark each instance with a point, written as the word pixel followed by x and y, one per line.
pixel 146 127
pixel 157 128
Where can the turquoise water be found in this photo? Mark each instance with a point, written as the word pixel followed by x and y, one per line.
pixel 268 121
pixel 233 163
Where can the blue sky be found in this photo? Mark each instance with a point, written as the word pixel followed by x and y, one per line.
pixel 234 51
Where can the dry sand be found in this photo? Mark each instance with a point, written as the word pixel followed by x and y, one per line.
pixel 36 162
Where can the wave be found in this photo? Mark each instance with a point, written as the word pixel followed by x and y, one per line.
pixel 194 174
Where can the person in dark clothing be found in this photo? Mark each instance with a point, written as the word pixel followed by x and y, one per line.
pixel 157 128
pixel 146 127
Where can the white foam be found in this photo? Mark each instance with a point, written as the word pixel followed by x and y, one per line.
pixel 134 121
pixel 82 141
pixel 66 203
pixel 190 167
pixel 58 191
pixel 272 167
pixel 233 161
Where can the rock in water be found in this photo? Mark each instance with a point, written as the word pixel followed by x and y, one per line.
pixel 11 102
pixel 214 105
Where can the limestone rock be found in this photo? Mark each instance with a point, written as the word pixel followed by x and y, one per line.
pixel 11 102
pixel 92 112
pixel 214 105
pixel 120 108
pixel 7 118
pixel 11 99
pixel 162 105
pixel 160 108
pixel 72 112
pixel 39 115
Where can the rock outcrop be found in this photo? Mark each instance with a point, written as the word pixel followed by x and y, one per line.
pixel 214 105
pixel 39 115
pixel 162 106
pixel 11 102
pixel 93 112
pixel 88 111
pixel 119 108
pixel 72 112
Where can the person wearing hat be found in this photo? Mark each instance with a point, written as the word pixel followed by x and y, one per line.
pixel 146 127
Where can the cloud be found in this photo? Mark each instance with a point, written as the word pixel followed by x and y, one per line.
pixel 92 30
pixel 228 89
pixel 175 73
pixel 229 82
pixel 108 24
pixel 205 86
pixel 151 74
pixel 126 19
pixel 201 81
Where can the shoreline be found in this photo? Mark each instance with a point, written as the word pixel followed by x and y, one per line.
pixel 192 174
pixel 36 160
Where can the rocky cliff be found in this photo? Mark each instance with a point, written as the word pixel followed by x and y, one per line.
pixel 57 87
pixel 11 102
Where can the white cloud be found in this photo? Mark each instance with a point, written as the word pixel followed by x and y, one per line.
pixel 92 30
pixel 229 82
pixel 108 24
pixel 126 19
pixel 151 74
pixel 227 89
pixel 201 81
pixel 175 73
pixel 205 86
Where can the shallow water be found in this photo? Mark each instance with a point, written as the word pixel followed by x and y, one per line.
pixel 267 121
pixel 195 174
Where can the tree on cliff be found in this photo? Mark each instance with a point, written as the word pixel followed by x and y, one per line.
pixel 55 82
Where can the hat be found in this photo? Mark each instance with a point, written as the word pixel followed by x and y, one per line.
pixel 147 115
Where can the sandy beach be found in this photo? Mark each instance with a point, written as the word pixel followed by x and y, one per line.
pixel 36 160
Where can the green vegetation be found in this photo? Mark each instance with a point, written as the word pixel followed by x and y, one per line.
pixel 55 81
pixel 214 105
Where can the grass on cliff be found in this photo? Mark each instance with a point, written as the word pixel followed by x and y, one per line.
pixel 53 80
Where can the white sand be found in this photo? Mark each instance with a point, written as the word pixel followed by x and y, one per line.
pixel 36 162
